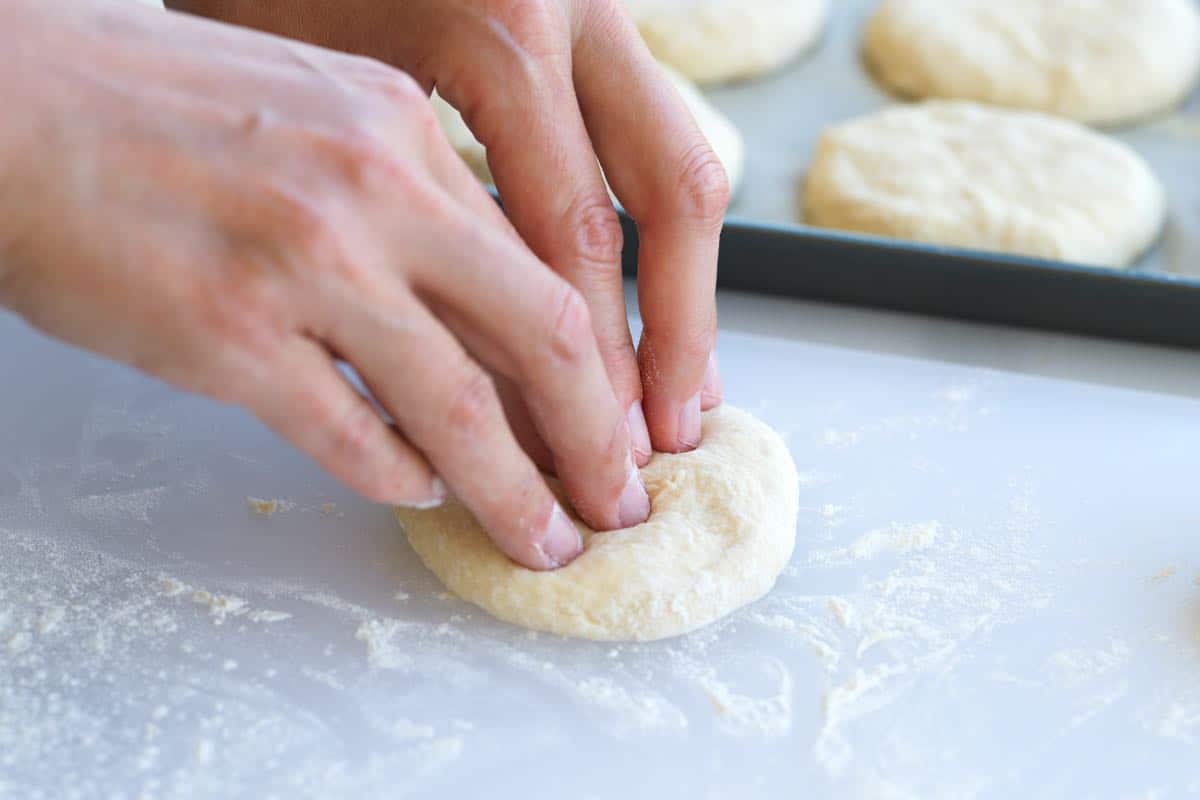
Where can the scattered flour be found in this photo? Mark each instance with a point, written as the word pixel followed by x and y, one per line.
pixel 743 715
pixel 383 651
pixel 406 729
pixel 633 711
pixel 862 693
pixel 843 612
pixel 1181 723
pixel 220 606
pixel 20 642
pixel 109 680
pixel 1077 666
pixel 323 677
pixel 1163 575
pixel 777 621
pixel 119 506
pixel 896 539
pixel 832 437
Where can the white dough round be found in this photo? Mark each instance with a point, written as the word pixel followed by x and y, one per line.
pixel 721 133
pixel 711 41
pixel 966 175
pixel 721 528
pixel 1097 61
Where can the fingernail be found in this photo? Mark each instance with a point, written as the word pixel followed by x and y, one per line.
pixel 639 434
pixel 634 506
pixel 562 542
pixel 710 394
pixel 688 434
pixel 437 496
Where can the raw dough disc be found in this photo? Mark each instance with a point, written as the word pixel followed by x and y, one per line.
pixel 710 41
pixel 1098 61
pixel 966 175
pixel 724 138
pixel 722 527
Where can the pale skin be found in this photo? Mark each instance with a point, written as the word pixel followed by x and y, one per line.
pixel 234 212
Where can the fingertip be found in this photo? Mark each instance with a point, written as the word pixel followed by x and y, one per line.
pixel 633 507
pixel 639 434
pixel 561 543
pixel 687 435
pixel 713 390
pixel 436 497
pixel 676 426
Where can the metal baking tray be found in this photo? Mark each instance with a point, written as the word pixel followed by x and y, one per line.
pixel 766 247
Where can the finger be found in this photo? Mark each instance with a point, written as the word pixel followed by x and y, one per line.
pixel 529 324
pixel 487 351
pixel 672 184
pixel 525 112
pixel 522 424
pixel 308 401
pixel 454 417
pixel 456 177
pixel 713 391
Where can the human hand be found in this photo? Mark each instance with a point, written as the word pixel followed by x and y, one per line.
pixel 550 86
pixel 231 211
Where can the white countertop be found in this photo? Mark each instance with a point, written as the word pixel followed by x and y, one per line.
pixel 995 593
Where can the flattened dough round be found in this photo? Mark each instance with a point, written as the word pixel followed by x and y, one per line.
pixel 721 528
pixel 721 133
pixel 973 176
pixel 711 41
pixel 1097 61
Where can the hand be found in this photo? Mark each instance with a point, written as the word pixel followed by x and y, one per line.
pixel 230 211
pixel 548 86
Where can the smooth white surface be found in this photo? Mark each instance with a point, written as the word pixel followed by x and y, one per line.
pixel 1033 651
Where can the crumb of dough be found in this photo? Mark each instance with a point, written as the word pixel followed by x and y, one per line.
pixel 1163 575
pixel 262 506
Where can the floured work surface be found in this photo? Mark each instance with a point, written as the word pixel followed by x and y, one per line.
pixel 781 116
pixel 997 587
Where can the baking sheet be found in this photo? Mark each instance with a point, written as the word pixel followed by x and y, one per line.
pixel 782 115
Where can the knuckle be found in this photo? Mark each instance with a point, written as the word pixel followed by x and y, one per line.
pixel 425 121
pixel 597 231
pixel 241 314
pixel 571 328
pixel 395 87
pixel 703 191
pixel 302 224
pixel 362 162
pixel 473 405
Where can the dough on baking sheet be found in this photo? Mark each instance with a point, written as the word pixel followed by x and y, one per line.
pixel 1097 61
pixel 711 41
pixel 967 175
pixel 721 133
pixel 721 528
